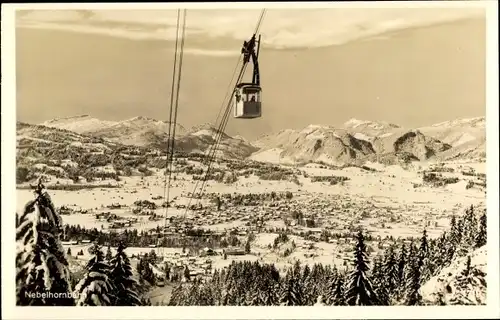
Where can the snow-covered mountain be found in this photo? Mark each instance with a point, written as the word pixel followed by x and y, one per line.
pixel 79 124
pixel 202 138
pixel 454 139
pixel 148 132
pixel 138 131
pixel 316 143
pixel 357 141
pixel 412 142
pixel 467 136
pixel 368 129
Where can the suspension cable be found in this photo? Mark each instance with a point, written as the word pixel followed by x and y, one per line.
pixel 173 111
pixel 176 107
pixel 223 124
pixel 171 104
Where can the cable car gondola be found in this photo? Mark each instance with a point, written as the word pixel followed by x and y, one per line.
pixel 247 97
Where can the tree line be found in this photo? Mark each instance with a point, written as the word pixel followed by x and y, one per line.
pixel 391 278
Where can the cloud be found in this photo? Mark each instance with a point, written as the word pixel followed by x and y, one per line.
pixel 282 28
pixel 213 53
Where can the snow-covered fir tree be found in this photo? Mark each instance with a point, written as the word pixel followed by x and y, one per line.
pixel 96 287
pixel 391 272
pixel 379 281
pixel 470 226
pixel 359 289
pixel 338 295
pixel 480 239
pixel 121 276
pixel 330 289
pixel 424 256
pixel 402 265
pixel 41 265
pixel 109 254
pixel 176 296
pixel 413 296
pixel 291 292
pixel 414 275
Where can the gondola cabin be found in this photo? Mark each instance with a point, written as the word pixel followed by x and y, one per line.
pixel 247 101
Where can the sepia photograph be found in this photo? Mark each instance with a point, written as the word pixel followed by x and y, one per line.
pixel 250 155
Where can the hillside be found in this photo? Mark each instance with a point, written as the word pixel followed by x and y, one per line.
pixel 357 141
pixel 201 138
pixel 367 130
pixel 79 124
pixel 151 133
pixel 138 131
pixel 67 155
pixel 459 284
pixel 413 142
pixel 467 136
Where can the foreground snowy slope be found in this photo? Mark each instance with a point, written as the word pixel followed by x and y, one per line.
pixel 459 283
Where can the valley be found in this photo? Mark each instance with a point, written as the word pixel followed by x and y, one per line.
pixel 317 186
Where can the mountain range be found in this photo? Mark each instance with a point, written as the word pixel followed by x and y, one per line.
pixel 354 141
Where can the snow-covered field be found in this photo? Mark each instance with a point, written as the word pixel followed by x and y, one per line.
pixel 392 187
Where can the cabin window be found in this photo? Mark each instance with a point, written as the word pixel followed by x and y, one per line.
pixel 253 97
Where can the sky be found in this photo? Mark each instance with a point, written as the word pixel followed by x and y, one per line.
pixel 319 66
pixel 282 28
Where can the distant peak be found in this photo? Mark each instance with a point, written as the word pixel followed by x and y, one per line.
pixel 461 121
pixel 69 118
pixel 204 126
pixel 353 123
pixel 141 118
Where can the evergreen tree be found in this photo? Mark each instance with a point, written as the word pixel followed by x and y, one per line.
pixel 440 252
pixel 96 288
pixel 471 227
pixel 402 265
pixel 413 296
pixel 291 294
pixel 338 295
pixel 187 273
pixel 153 257
pixel 271 294
pixel 427 267
pixel 480 239
pixel 391 272
pixel 109 255
pixel 454 231
pixel 379 281
pixel 310 291
pixel 424 245
pixel 330 288
pixel 176 296
pixel 121 275
pixel 359 290
pixel 41 265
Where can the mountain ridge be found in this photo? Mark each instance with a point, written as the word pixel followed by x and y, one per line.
pixel 355 141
